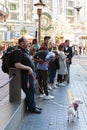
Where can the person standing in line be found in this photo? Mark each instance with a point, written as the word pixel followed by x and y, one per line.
pixel 42 69
pixel 23 61
pixel 44 45
pixel 35 44
pixel 42 73
pixel 53 67
pixel 69 54
pixel 63 68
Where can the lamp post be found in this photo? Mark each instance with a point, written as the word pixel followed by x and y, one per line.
pixel 78 8
pixel 39 6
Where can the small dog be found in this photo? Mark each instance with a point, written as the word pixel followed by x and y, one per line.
pixel 73 110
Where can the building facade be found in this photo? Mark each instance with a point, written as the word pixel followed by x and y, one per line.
pixel 22 15
pixel 20 18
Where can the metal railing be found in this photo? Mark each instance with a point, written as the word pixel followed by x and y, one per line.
pixel 14 85
pixel 8 81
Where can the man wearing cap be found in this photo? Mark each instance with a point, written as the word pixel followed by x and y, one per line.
pixel 44 45
pixel 42 70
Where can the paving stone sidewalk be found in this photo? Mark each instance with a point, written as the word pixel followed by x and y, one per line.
pixel 54 114
pixel 4 91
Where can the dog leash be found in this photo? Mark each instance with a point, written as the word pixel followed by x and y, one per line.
pixel 28 84
pixel 58 104
pixel 37 84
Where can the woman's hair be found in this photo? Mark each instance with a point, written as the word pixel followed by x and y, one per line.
pixel 54 48
pixel 34 41
pixel 60 47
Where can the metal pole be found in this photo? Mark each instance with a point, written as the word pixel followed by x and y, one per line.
pixel 40 4
pixel 39 12
pixel 39 30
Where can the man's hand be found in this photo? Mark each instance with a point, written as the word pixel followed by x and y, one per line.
pixel 67 59
pixel 30 70
pixel 24 67
pixel 66 54
pixel 39 60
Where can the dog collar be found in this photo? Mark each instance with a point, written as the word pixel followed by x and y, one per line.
pixel 75 106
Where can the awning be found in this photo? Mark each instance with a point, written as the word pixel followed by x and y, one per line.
pixel 27 36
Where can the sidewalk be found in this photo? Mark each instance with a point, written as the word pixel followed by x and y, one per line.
pixel 54 113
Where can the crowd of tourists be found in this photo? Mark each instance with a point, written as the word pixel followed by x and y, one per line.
pixel 40 66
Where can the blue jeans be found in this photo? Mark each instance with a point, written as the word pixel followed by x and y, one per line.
pixel 52 74
pixel 29 92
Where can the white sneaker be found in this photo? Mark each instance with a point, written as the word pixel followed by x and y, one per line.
pixel 48 97
pixel 42 95
pixel 65 82
pixel 50 88
pixel 54 87
pixel 61 84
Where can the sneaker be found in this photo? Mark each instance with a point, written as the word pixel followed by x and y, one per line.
pixel 62 84
pixel 42 95
pixel 48 97
pixel 65 82
pixel 54 87
pixel 57 84
pixel 50 88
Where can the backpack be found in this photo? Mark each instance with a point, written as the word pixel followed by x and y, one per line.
pixel 7 61
pixel 41 54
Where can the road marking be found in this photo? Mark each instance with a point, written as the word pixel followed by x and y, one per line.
pixel 71 96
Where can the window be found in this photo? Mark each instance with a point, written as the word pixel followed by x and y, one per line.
pixel 25 16
pixel 70 12
pixel 13 16
pixel 71 20
pixel 12 6
pixel 25 6
pixel 70 3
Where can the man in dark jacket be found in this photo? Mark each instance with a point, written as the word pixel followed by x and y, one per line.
pixel 23 61
pixel 68 53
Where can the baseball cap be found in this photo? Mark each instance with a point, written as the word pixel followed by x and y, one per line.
pixel 47 37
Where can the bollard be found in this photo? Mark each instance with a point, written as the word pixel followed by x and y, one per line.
pixel 15 86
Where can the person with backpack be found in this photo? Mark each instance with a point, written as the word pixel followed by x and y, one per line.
pixel 23 61
pixel 43 57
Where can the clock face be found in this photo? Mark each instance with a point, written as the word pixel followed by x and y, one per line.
pixel 45 21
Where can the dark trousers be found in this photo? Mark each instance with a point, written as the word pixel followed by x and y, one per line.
pixel 43 80
pixel 60 78
pixel 29 92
